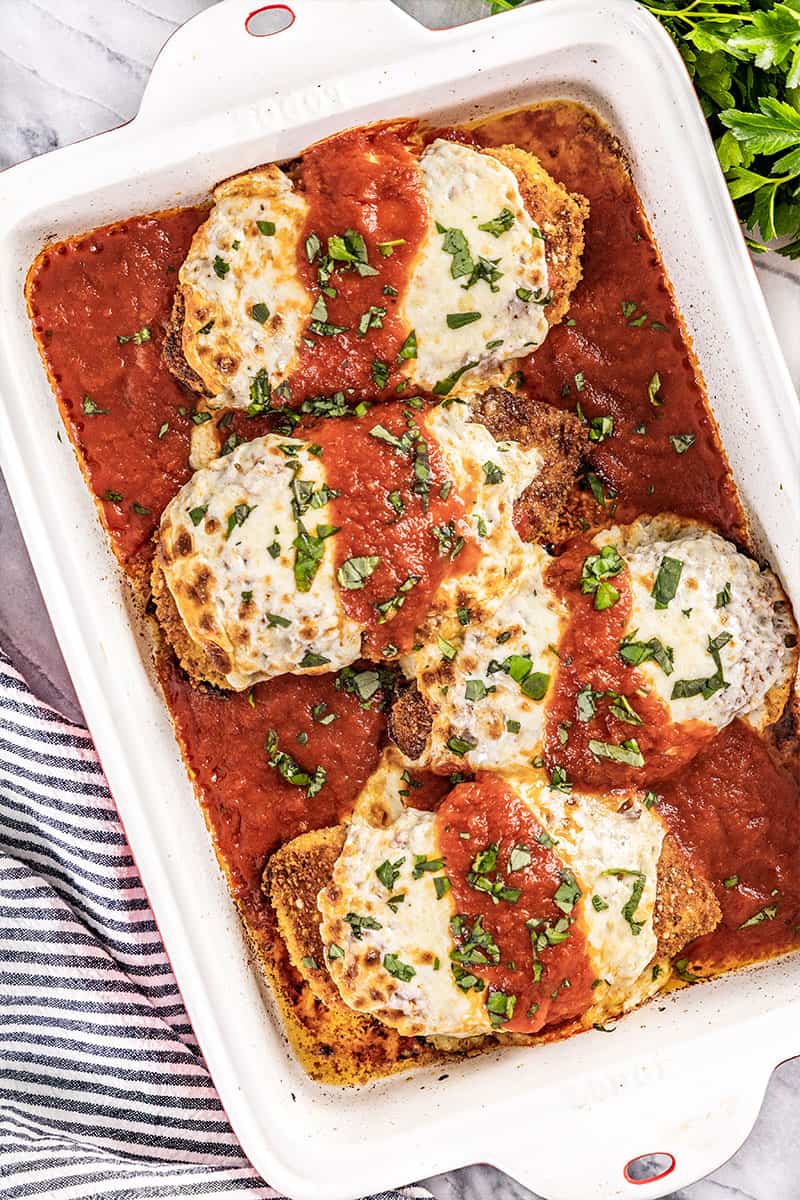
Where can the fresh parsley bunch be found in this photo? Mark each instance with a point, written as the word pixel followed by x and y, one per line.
pixel 744 60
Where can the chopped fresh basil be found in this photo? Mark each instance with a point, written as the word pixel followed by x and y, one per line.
pixel 380 373
pixel 585 703
pixel 492 473
pixel 500 1007
pixel 499 224
pixel 260 394
pixel 196 514
pixel 309 550
pixel 681 442
pixel 310 659
pixel 667 580
pixel 558 779
pixel 653 388
pixel 628 752
pixel 389 872
pixel 458 320
pixel 445 386
pixel 268 229
pixel 476 689
pixel 600 428
pixel 601 492
pixel 684 689
pixel 90 408
pixel 387 609
pixel 354 572
pixel 387 248
pixel 448 650
pixel 358 924
pixel 142 335
pixel 767 913
pixel 290 770
pixel 682 971
pixel 629 908
pixel 623 710
pixel 455 244
pixel 568 892
pixel 238 517
pixel 408 348
pixel 519 857
pixel 397 502
pixel 259 312
pixel 596 571
pixel 425 866
pixel 313 247
pixel 221 267
pixel 442 885
pixel 462 745
pixel 724 597
pixel 633 653
pixel 371 319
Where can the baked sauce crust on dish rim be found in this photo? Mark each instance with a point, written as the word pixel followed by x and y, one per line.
pixel 622 350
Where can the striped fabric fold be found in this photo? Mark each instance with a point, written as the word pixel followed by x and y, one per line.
pixel 103 1089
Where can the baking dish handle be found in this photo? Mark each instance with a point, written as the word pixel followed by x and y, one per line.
pixel 677 1127
pixel 213 63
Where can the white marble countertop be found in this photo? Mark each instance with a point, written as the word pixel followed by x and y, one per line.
pixel 71 68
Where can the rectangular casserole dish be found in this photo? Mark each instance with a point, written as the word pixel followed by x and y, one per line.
pixel 684 1076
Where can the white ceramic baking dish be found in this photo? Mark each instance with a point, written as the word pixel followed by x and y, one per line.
pixel 684 1076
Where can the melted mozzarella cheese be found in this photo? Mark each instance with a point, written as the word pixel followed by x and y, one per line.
pixel 504 725
pixel 468 447
pixel 755 618
pixel 414 931
pixel 465 189
pixel 241 554
pixel 235 270
pixel 607 842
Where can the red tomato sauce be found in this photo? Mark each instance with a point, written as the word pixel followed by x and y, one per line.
pixel 737 811
pixel 83 295
pixel 251 810
pixel 604 359
pixel 365 180
pixel 380 515
pixel 493 818
pixel 589 657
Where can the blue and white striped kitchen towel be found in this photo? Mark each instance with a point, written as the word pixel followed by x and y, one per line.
pixel 103 1089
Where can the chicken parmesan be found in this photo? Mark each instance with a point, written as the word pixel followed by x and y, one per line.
pixel 625 654
pixel 513 906
pixel 261 291
pixel 403 443
pixel 280 557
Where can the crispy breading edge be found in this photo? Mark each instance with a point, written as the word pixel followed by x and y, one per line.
pixel 559 214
